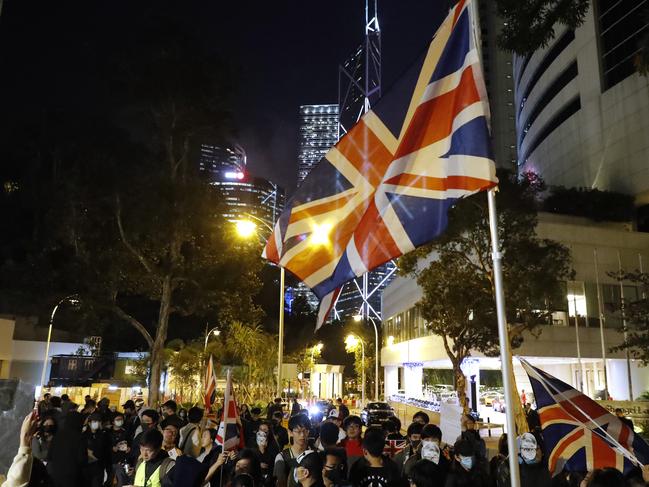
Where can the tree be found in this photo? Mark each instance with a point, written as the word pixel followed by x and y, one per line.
pixel 121 215
pixel 636 314
pixel 456 275
pixel 529 25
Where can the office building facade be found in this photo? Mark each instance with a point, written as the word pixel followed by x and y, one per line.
pixel 582 110
pixel 318 133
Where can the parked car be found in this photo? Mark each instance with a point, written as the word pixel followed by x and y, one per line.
pixel 376 413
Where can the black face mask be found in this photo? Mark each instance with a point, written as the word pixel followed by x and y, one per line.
pixel 334 475
pixel 415 444
pixel 49 429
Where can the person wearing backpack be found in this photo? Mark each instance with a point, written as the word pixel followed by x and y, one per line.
pixel 190 434
pixel 286 461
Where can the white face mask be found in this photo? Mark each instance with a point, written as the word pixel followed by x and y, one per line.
pixel 119 423
pixel 262 438
pixel 94 425
pixel 430 451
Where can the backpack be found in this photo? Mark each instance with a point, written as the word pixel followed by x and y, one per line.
pixel 290 462
pixel 189 434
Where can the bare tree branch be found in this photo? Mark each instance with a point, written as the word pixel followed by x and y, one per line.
pixel 135 323
pixel 122 234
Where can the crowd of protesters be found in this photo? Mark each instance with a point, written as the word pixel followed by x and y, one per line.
pixel 64 445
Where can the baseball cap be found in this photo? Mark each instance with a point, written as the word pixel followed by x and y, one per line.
pixel 129 404
pixel 334 413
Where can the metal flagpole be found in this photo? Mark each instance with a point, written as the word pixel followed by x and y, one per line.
pixel 280 348
pixel 601 322
pixel 626 336
pixel 503 335
pixel 581 365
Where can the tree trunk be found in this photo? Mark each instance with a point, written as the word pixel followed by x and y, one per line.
pixel 157 351
pixel 460 385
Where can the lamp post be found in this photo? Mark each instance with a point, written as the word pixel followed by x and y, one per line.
pixel 351 342
pixel 317 347
pixel 358 318
pixel 215 331
pixel 246 228
pixel 73 299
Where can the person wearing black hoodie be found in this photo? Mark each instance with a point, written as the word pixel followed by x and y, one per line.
pixel 68 456
pixel 467 468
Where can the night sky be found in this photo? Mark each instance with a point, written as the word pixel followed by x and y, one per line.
pixel 285 52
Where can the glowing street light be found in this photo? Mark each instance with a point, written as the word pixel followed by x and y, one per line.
pixel 246 228
pixel 351 343
pixel 214 331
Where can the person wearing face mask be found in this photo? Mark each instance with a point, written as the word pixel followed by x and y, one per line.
pixel 414 439
pixel 119 441
pixel 466 470
pixel 431 449
pixel 99 456
pixel 308 472
pixel 334 473
pixel 533 470
pixel 265 452
pixel 43 437
pixel 472 435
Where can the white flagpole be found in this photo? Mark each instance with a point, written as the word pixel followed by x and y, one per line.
pixel 503 334
pixel 624 325
pixel 600 311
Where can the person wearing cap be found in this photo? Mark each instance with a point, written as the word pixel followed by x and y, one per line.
pixel 309 469
pixel 533 469
pixel 467 469
pixel 334 417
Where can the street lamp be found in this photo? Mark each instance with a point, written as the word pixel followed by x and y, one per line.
pixel 357 319
pixel 72 299
pixel 245 229
pixel 214 331
pixel 351 342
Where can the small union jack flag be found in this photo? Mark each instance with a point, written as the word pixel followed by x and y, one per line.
pixel 579 434
pixel 386 186
pixel 392 447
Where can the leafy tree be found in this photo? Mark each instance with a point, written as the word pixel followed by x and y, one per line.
pixel 185 364
pixel 456 276
pixel 637 317
pixel 529 25
pixel 120 213
pixel 590 203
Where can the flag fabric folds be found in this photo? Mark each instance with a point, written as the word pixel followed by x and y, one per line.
pixel 229 435
pixel 386 186
pixel 579 434
pixel 209 385
pixel 326 305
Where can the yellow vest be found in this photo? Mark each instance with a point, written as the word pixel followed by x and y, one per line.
pixel 154 480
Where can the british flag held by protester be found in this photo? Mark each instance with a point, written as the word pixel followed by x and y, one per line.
pixel 579 434
pixel 386 186
pixel 230 434
pixel 392 447
pixel 210 385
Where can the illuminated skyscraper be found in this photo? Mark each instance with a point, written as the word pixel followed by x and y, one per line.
pixel 243 194
pixel 318 133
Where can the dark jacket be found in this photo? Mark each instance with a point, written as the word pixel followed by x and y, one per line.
pixel 459 477
pixel 536 475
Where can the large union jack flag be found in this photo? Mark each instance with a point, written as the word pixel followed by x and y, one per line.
pixel 579 434
pixel 386 186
